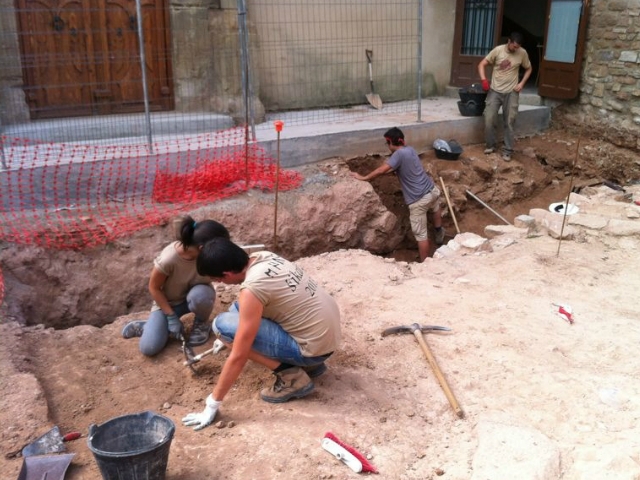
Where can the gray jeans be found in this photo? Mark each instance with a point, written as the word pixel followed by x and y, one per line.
pixel 155 335
pixel 509 103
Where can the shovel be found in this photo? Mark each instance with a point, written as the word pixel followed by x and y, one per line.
pixel 45 467
pixel 372 98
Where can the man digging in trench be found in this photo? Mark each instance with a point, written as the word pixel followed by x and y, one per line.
pixel 283 320
pixel 420 192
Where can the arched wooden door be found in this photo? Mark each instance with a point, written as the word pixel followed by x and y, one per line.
pixel 81 57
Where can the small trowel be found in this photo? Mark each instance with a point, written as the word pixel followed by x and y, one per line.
pixel 50 442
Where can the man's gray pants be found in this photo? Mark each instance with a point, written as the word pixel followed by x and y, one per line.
pixel 509 103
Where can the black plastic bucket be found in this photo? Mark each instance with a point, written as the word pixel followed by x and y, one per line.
pixel 473 93
pixel 132 447
pixel 471 108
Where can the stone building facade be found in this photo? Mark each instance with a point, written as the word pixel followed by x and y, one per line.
pixel 609 101
pixel 207 66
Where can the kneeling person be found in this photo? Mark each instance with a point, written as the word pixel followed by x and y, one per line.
pixel 283 320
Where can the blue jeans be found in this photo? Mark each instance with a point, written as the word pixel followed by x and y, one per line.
pixel 271 341
pixel 155 335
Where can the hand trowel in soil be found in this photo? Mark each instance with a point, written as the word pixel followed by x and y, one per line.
pixel 50 442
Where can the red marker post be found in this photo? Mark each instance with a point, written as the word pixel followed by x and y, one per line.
pixel 278 124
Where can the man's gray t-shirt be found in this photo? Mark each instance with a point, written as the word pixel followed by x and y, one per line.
pixel 414 180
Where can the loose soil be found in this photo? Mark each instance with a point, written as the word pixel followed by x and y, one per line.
pixel 542 398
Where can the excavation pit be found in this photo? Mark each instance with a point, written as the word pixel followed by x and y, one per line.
pixel 330 211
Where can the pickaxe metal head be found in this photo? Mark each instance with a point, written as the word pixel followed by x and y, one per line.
pixel 412 328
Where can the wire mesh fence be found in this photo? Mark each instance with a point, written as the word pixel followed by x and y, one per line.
pixel 121 110
pixel 72 71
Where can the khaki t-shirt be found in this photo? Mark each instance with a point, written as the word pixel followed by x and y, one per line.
pixel 506 66
pixel 181 275
pixel 294 300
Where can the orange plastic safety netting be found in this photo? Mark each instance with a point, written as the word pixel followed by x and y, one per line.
pixel 72 196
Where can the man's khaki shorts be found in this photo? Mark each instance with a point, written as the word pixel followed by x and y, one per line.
pixel 418 213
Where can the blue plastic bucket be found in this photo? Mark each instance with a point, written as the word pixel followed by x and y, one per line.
pixel 132 447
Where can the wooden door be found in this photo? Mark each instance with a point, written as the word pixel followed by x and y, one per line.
pixel 82 57
pixel 55 54
pixel 565 35
pixel 477 30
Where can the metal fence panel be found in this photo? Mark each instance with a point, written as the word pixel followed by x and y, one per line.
pixel 72 71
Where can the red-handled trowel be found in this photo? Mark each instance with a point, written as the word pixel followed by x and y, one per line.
pixel 50 442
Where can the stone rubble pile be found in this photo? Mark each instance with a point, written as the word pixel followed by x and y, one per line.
pixel 601 211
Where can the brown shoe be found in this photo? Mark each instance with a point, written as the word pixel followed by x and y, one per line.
pixel 290 383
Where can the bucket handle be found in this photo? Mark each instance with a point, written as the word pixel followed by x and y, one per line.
pixel 92 429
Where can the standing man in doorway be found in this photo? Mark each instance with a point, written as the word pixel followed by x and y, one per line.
pixel 504 90
pixel 419 190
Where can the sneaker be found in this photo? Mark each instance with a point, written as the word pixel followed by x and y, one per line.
pixel 489 150
pixel 506 157
pixel 199 334
pixel 290 383
pixel 439 236
pixel 133 329
pixel 314 371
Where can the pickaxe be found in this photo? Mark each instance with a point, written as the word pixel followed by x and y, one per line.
pixel 417 331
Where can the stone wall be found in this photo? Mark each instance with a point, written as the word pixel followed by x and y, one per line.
pixel 609 102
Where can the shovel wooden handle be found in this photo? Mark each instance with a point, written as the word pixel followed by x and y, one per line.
pixel 436 369
pixel 446 196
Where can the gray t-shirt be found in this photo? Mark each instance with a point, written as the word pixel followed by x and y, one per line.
pixel 415 182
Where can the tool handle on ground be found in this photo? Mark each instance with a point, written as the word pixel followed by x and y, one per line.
pixel 199 357
pixel 71 436
pixel 446 196
pixel 436 369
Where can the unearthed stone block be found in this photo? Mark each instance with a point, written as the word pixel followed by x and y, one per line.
pixel 524 221
pixel 444 251
pixel 555 230
pixel 632 212
pixel 593 222
pixel 467 243
pixel 503 241
pixel 540 215
pixel 623 228
pixel 492 231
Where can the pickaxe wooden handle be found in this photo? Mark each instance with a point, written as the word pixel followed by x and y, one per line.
pixel 417 332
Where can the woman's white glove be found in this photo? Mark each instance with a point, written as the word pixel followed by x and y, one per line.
pixel 200 420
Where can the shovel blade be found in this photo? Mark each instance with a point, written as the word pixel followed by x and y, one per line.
pixel 51 467
pixel 375 100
